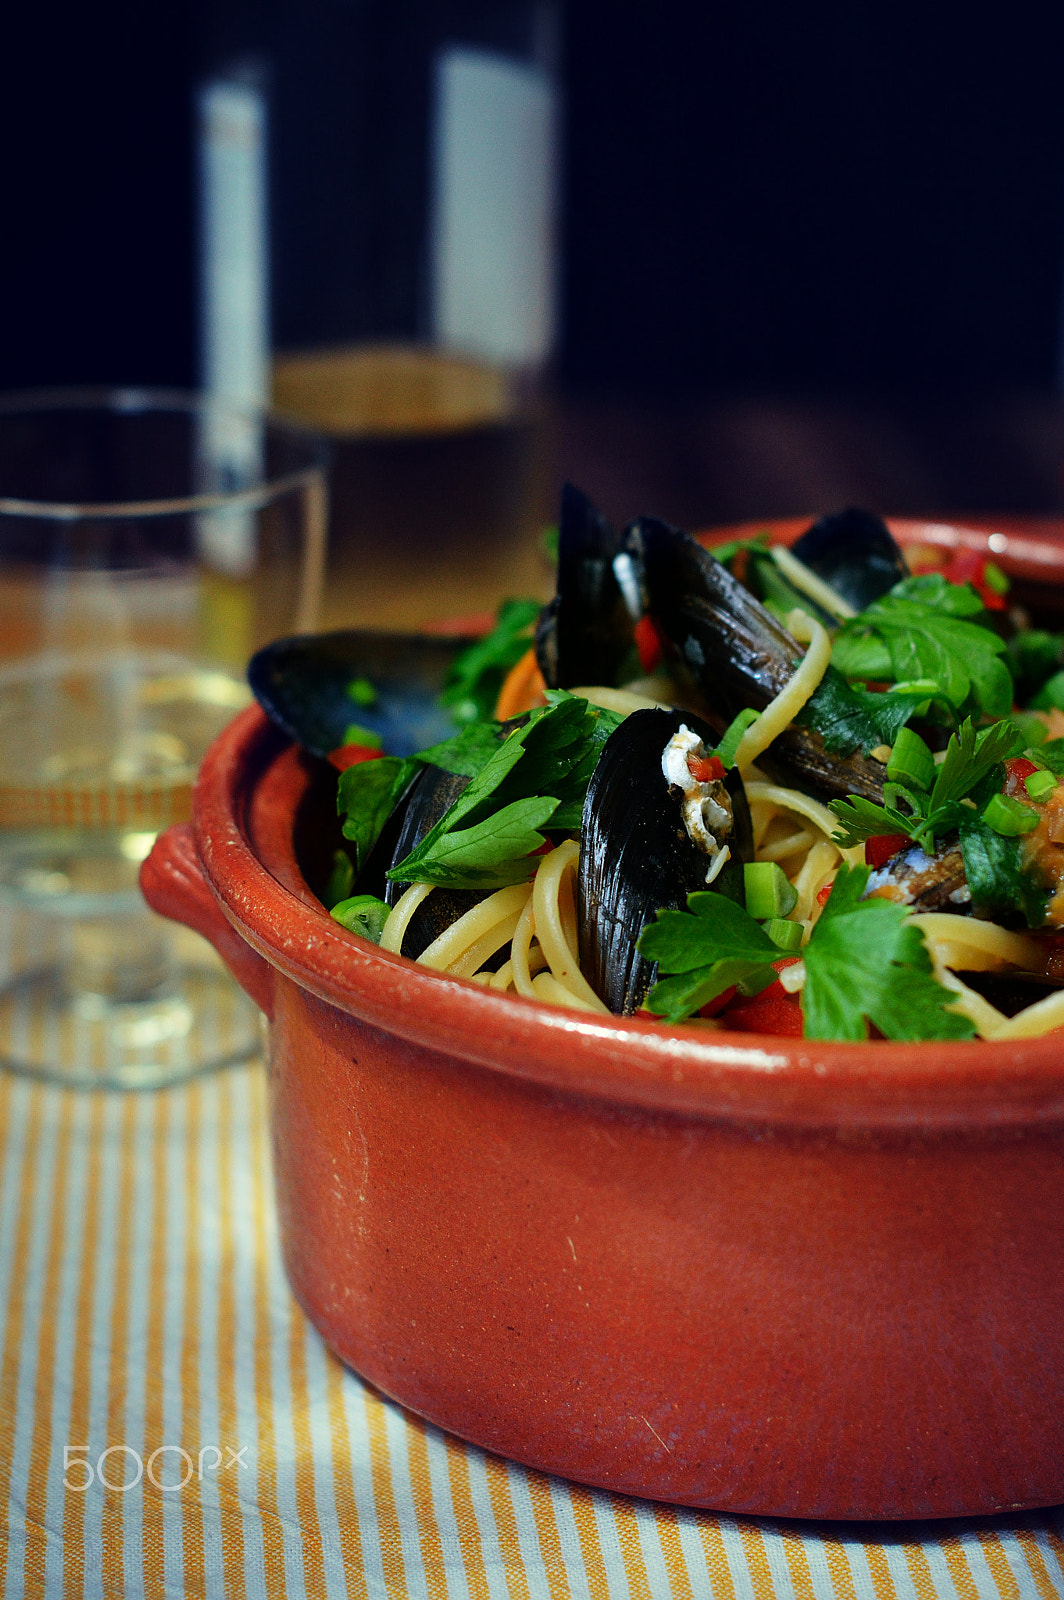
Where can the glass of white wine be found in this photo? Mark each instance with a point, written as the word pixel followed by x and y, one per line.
pixel 149 543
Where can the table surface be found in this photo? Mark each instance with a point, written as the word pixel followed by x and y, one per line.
pixel 148 1337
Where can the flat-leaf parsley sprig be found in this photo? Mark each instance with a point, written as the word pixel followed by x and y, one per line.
pixel 522 782
pixel 865 963
pixel 923 629
pixel 924 812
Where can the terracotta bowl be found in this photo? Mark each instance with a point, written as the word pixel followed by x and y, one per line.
pixel 777 1277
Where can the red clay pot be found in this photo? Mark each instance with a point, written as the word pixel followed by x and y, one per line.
pixel 767 1276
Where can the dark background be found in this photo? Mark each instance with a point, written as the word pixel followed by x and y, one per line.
pixel 838 205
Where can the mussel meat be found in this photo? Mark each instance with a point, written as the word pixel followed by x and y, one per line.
pixel 638 857
pixel 923 882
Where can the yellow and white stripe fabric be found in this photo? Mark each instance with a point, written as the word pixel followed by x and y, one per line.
pixel 148 1338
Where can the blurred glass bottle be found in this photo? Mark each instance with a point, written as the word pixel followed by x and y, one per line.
pixel 379 248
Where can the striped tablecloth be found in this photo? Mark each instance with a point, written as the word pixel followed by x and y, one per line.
pixel 170 1424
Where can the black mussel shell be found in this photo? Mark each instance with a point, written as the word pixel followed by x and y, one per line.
pixel 636 857
pixel 855 553
pixel 737 653
pixel 585 634
pixel 303 684
pixel 1010 992
pixel 431 794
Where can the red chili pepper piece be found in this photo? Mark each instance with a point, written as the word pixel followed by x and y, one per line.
pixel 968 566
pixel 705 769
pixel 648 643
pixel 771 1011
pixel 1017 768
pixel 878 851
pixel 349 755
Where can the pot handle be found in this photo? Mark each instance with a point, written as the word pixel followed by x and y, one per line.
pixel 173 883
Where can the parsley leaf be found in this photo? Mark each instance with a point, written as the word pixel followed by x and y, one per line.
pixel 488 855
pixel 1051 754
pixel 865 963
pixel 467 752
pixel 865 819
pixel 476 676
pixel 921 629
pixel 994 870
pixel 970 770
pixel 1034 656
pixel 971 757
pixel 848 716
pixel 712 945
pixel 368 794
pixel 539 774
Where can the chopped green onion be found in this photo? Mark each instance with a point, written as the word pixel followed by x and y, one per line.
pixel 725 751
pixel 910 760
pixel 363 914
pixel 917 686
pixel 354 733
pixel 769 893
pixel 1040 785
pixel 362 692
pixel 995 579
pixel 785 935
pixel 1009 817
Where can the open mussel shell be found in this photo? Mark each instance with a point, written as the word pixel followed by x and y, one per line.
pixel 737 654
pixel 855 553
pixel 636 857
pixel 304 685
pixel 585 634
pixel 432 793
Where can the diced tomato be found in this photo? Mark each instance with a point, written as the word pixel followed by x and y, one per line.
pixel 824 894
pixel 705 769
pixel 349 755
pixel 968 566
pixel 771 1011
pixel 1017 768
pixel 878 851
pixel 648 643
